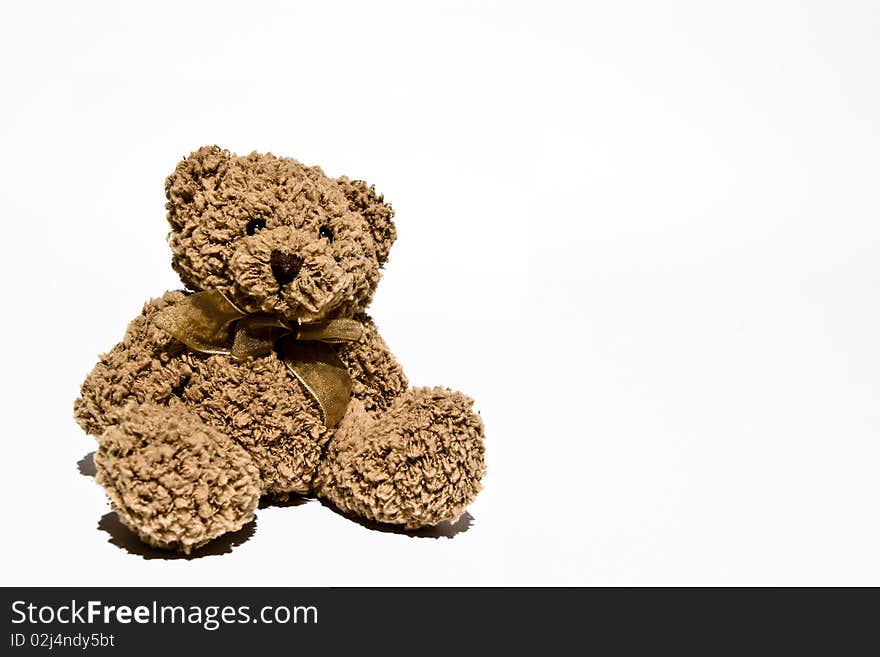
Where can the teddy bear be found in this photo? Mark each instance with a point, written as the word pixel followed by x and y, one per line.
pixel 265 377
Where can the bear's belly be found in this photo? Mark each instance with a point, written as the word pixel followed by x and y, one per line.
pixel 264 408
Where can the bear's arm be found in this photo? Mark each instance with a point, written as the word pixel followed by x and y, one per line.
pixel 147 366
pixel 378 377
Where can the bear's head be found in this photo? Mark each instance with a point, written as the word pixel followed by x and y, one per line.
pixel 276 236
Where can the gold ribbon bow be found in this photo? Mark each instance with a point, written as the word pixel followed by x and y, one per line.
pixel 210 323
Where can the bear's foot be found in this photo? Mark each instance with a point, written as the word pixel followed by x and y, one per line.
pixel 416 464
pixel 172 479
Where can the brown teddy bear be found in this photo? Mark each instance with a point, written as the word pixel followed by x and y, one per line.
pixel 267 378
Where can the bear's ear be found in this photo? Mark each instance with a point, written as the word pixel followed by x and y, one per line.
pixel 362 198
pixel 193 176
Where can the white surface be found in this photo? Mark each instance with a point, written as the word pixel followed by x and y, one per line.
pixel 673 208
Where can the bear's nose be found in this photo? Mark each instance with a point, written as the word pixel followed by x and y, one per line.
pixel 285 266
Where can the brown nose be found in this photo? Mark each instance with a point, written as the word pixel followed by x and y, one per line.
pixel 285 266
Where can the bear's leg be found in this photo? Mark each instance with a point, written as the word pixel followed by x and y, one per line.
pixel 172 479
pixel 416 464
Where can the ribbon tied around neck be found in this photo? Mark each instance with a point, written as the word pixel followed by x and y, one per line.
pixel 210 323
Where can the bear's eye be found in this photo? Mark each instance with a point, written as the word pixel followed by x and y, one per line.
pixel 254 225
pixel 326 233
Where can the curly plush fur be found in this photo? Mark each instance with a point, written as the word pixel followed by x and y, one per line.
pixel 188 442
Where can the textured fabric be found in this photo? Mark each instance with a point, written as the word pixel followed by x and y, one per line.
pixel 416 464
pixel 188 441
pixel 208 322
pixel 172 479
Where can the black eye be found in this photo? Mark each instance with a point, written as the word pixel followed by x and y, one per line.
pixel 325 232
pixel 254 225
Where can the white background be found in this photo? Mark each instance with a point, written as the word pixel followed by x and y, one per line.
pixel 643 236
